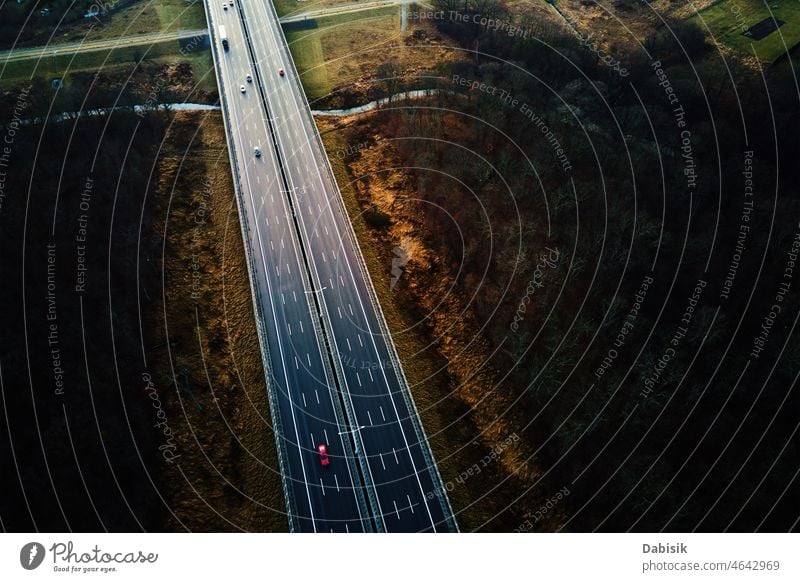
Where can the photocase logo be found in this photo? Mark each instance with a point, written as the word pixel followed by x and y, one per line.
pixel 399 261
pixel 31 555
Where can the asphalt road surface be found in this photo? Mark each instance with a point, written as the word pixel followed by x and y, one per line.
pixel 333 373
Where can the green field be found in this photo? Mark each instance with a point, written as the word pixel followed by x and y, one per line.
pixel 320 53
pixel 108 61
pixel 727 19
pixel 284 7
pixel 310 62
pixel 141 16
pixel 150 16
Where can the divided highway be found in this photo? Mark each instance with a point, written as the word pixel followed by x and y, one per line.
pixel 333 373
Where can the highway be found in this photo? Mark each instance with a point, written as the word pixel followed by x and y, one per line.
pixel 333 372
pixel 318 498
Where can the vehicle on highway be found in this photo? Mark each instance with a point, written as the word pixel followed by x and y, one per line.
pixel 224 6
pixel 258 152
pixel 324 459
pixel 242 88
pixel 223 37
pixel 281 72
pixel 249 78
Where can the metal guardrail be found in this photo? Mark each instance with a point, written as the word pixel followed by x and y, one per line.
pixel 283 459
pixel 384 327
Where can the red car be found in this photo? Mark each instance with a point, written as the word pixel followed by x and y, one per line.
pixel 281 72
pixel 324 459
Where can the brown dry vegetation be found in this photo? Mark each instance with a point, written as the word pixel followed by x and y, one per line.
pixel 162 420
pixel 227 476
pixel 626 22
pixel 440 344
pixel 439 341
pixel 453 190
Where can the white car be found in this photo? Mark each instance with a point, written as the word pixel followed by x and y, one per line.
pixel 258 152
pixel 224 6
pixel 242 88
pixel 249 78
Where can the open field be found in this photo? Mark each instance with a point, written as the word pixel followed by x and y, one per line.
pixel 346 52
pixel 150 16
pixel 628 23
pixel 310 62
pixel 120 62
pixel 284 7
pixel 140 17
pixel 319 52
pixel 100 61
pixel 728 19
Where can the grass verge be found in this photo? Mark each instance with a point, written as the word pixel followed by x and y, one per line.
pixel 284 7
pixel 322 54
pixel 728 19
